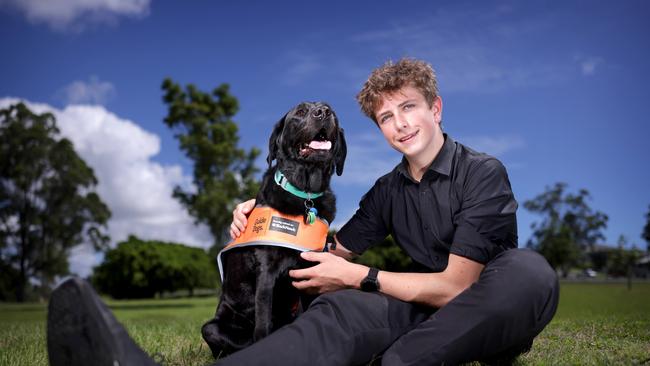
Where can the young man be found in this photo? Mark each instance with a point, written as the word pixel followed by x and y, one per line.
pixel 453 211
pixel 450 208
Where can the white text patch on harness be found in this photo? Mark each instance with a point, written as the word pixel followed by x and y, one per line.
pixel 284 225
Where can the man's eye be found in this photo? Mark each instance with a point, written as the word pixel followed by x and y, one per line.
pixel 409 106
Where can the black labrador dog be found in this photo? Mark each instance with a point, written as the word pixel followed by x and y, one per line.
pixel 257 298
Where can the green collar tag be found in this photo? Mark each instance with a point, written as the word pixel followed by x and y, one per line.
pixel 283 182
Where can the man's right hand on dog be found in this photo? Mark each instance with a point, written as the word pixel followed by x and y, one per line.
pixel 239 220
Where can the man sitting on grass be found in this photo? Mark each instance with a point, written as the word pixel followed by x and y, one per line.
pixel 474 296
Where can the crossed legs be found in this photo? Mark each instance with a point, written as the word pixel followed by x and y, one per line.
pixel 498 316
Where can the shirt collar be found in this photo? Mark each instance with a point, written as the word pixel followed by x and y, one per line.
pixel 441 163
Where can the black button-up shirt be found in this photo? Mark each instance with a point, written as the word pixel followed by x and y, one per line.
pixel 463 205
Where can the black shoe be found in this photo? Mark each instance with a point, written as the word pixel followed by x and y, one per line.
pixel 82 331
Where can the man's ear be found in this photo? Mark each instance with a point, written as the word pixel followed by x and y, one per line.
pixel 274 144
pixel 340 152
pixel 437 109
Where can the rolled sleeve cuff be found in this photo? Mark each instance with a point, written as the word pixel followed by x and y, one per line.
pixel 470 244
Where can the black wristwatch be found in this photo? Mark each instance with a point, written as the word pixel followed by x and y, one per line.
pixel 370 283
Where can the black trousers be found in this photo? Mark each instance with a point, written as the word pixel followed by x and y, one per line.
pixel 513 300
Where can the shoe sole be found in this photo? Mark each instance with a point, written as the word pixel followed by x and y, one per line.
pixel 80 328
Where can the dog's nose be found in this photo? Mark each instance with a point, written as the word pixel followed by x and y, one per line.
pixel 321 112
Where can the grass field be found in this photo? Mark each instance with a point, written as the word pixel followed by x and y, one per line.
pixel 596 324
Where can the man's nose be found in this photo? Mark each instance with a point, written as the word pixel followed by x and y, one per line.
pixel 400 122
pixel 321 112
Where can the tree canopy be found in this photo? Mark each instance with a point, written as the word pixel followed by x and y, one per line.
pixel 568 228
pixel 387 256
pixel 223 173
pixel 47 199
pixel 141 269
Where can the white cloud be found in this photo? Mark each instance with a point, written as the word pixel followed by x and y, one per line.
pixel 62 14
pixel 94 91
pixel 136 189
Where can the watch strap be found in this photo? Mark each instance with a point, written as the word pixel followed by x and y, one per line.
pixel 370 282
pixel 372 274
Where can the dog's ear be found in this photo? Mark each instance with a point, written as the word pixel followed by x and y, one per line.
pixel 340 152
pixel 274 144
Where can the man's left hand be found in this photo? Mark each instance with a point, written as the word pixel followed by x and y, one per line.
pixel 330 274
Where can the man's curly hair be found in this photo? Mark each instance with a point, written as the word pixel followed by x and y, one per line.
pixel 390 77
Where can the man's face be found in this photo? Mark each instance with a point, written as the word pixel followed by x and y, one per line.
pixel 409 125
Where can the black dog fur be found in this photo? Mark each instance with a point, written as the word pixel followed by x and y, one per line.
pixel 257 294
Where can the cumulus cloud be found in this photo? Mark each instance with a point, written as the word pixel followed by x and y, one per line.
pixel 136 189
pixel 62 14
pixel 94 91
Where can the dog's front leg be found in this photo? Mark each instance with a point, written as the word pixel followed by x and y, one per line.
pixel 263 305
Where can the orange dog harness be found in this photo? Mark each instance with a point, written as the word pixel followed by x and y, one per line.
pixel 267 226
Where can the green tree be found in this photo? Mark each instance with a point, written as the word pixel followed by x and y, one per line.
pixel 47 199
pixel 142 269
pixel 646 230
pixel 621 260
pixel 386 255
pixel 569 227
pixel 223 173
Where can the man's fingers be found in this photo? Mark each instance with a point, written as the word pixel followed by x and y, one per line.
pixel 300 274
pixel 239 219
pixel 245 207
pixel 314 256
pixel 304 285
pixel 248 206
pixel 234 231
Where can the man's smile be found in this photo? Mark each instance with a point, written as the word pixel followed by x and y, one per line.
pixel 408 137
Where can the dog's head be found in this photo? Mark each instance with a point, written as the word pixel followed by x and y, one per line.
pixel 309 133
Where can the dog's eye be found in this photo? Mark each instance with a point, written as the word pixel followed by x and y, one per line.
pixel 301 112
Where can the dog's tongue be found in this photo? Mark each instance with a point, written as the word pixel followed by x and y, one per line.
pixel 320 145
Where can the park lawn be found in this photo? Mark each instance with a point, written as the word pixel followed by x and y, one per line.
pixel 596 324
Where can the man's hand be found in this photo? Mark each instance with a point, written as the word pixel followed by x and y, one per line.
pixel 239 220
pixel 332 273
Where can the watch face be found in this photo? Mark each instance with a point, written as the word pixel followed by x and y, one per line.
pixel 368 285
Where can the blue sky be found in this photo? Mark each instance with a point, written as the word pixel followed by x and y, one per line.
pixel 557 90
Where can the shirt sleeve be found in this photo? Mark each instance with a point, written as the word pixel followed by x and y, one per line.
pixel 486 223
pixel 368 226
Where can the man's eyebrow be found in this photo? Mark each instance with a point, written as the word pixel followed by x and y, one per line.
pixel 379 115
pixel 406 102
pixel 384 113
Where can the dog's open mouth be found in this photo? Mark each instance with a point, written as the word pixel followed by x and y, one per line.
pixel 319 143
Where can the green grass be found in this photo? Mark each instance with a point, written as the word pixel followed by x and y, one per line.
pixel 596 324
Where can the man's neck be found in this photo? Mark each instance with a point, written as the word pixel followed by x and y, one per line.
pixel 418 165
